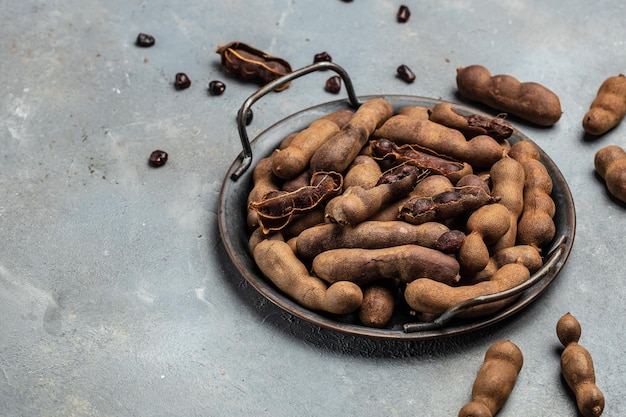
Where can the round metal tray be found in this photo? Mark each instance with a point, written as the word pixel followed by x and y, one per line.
pixel 232 212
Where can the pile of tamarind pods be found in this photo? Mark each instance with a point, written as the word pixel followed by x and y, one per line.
pixel 368 211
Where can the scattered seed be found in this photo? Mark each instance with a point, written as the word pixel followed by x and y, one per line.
pixel 403 14
pixel 158 158
pixel 182 81
pixel 216 88
pixel 405 73
pixel 333 84
pixel 321 57
pixel 144 40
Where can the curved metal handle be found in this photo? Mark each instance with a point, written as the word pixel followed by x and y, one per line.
pixel 246 156
pixel 449 314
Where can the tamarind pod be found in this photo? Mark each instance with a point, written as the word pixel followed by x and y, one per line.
pixel 608 107
pixel 474 180
pixel 528 100
pixel 357 203
pixel 276 209
pixel 495 380
pixel 527 255
pixel 289 162
pixel 577 368
pixel 430 296
pixel 280 265
pixel 302 180
pixel 471 125
pixel 610 164
pixel 364 172
pixel 368 235
pixel 251 64
pixel 432 185
pixel 445 205
pixel 485 225
pixel 378 304
pixel 568 329
pixel 339 117
pixel 507 184
pixel 384 149
pixel 535 225
pixel 303 221
pixel 578 372
pixel 403 262
pixel 480 152
pixel 257 236
pixel 264 181
pixel 287 140
pixel 338 153
pixel 416 112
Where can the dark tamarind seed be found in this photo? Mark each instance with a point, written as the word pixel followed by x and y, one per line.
pixel 249 116
pixel 216 88
pixel 333 84
pixel 450 241
pixel 322 57
pixel 403 14
pixel 182 81
pixel 405 73
pixel 144 40
pixel 157 158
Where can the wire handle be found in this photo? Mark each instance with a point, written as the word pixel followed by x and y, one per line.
pixel 246 155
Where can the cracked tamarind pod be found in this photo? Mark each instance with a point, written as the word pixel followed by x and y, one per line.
pixel 276 209
pixel 427 187
pixel 527 100
pixel 471 125
pixel 386 150
pixel 264 181
pixel 251 64
pixel 445 205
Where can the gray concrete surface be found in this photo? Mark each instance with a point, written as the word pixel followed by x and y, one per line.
pixel 116 295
